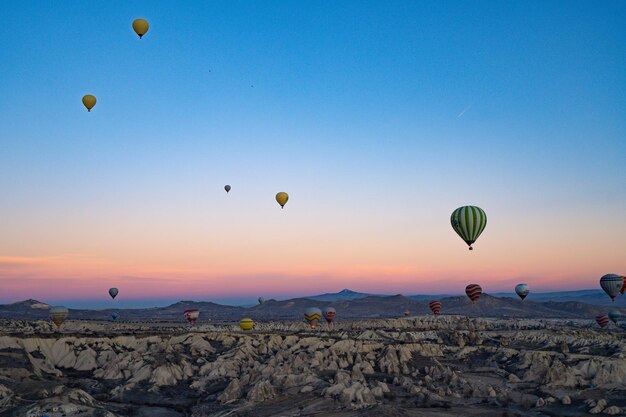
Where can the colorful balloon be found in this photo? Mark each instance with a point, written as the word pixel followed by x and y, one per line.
pixel 192 315
pixel 469 222
pixel 611 284
pixel 522 290
pixel 435 306
pixel 140 26
pixel 89 101
pixel 473 291
pixel 246 324
pixel 227 188
pixel 602 320
pixel 281 198
pixel 113 292
pixel 313 315
pixel 623 286
pixel 58 315
pixel 329 314
pixel 615 315
pixel 261 300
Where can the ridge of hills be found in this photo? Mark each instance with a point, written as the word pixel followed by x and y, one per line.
pixel 367 306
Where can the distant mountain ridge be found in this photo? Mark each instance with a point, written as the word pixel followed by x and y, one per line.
pixel 360 306
pixel 343 295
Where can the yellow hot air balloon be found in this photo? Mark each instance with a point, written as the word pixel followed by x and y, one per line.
pixel 140 26
pixel 246 324
pixel 89 101
pixel 282 198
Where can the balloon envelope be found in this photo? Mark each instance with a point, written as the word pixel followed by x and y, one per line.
pixel 522 290
pixel 140 26
pixel 435 306
pixel 602 320
pixel 313 315
pixel 473 291
pixel 192 315
pixel 89 101
pixel 615 315
pixel 113 292
pixel 281 198
pixel 261 300
pixel 469 222
pixel 246 324
pixel 58 315
pixel 114 316
pixel 611 284
pixel 329 314
pixel 227 188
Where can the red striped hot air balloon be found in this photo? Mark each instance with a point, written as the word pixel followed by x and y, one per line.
pixel 192 315
pixel 435 306
pixel 623 286
pixel 473 291
pixel 602 320
pixel 329 314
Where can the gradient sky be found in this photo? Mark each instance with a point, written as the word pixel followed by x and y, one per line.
pixel 378 118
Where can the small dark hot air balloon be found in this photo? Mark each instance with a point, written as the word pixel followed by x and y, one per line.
pixel 602 320
pixel 113 292
pixel 89 101
pixel 473 291
pixel 191 314
pixel 58 315
pixel 227 188
pixel 281 198
pixel 140 26
pixel 435 306
pixel 522 290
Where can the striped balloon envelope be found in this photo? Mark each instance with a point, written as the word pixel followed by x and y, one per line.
pixel 522 290
pixel 473 291
pixel 58 315
pixel 329 314
pixel 435 306
pixel 612 284
pixel 623 286
pixel 313 315
pixel 602 320
pixel 246 324
pixel 192 315
pixel 469 222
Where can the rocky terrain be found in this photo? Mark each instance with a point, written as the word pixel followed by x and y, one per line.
pixel 415 366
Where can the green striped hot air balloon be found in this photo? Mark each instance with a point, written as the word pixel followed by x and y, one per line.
pixel 469 222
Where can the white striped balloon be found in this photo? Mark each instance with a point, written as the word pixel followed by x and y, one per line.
pixel 611 284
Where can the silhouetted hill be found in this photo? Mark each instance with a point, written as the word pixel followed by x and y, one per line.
pixel 343 295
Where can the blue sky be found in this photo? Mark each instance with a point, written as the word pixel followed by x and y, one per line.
pixel 373 115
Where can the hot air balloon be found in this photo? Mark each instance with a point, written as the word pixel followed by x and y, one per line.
pixel 469 222
pixel 623 286
pixel 192 315
pixel 261 300
pixel 227 188
pixel 114 315
pixel 407 312
pixel 473 291
pixel 113 292
pixel 329 314
pixel 89 101
pixel 246 324
pixel 282 198
pixel 602 320
pixel 522 290
pixel 615 315
pixel 58 315
pixel 140 26
pixel 313 315
pixel 611 284
pixel 435 306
